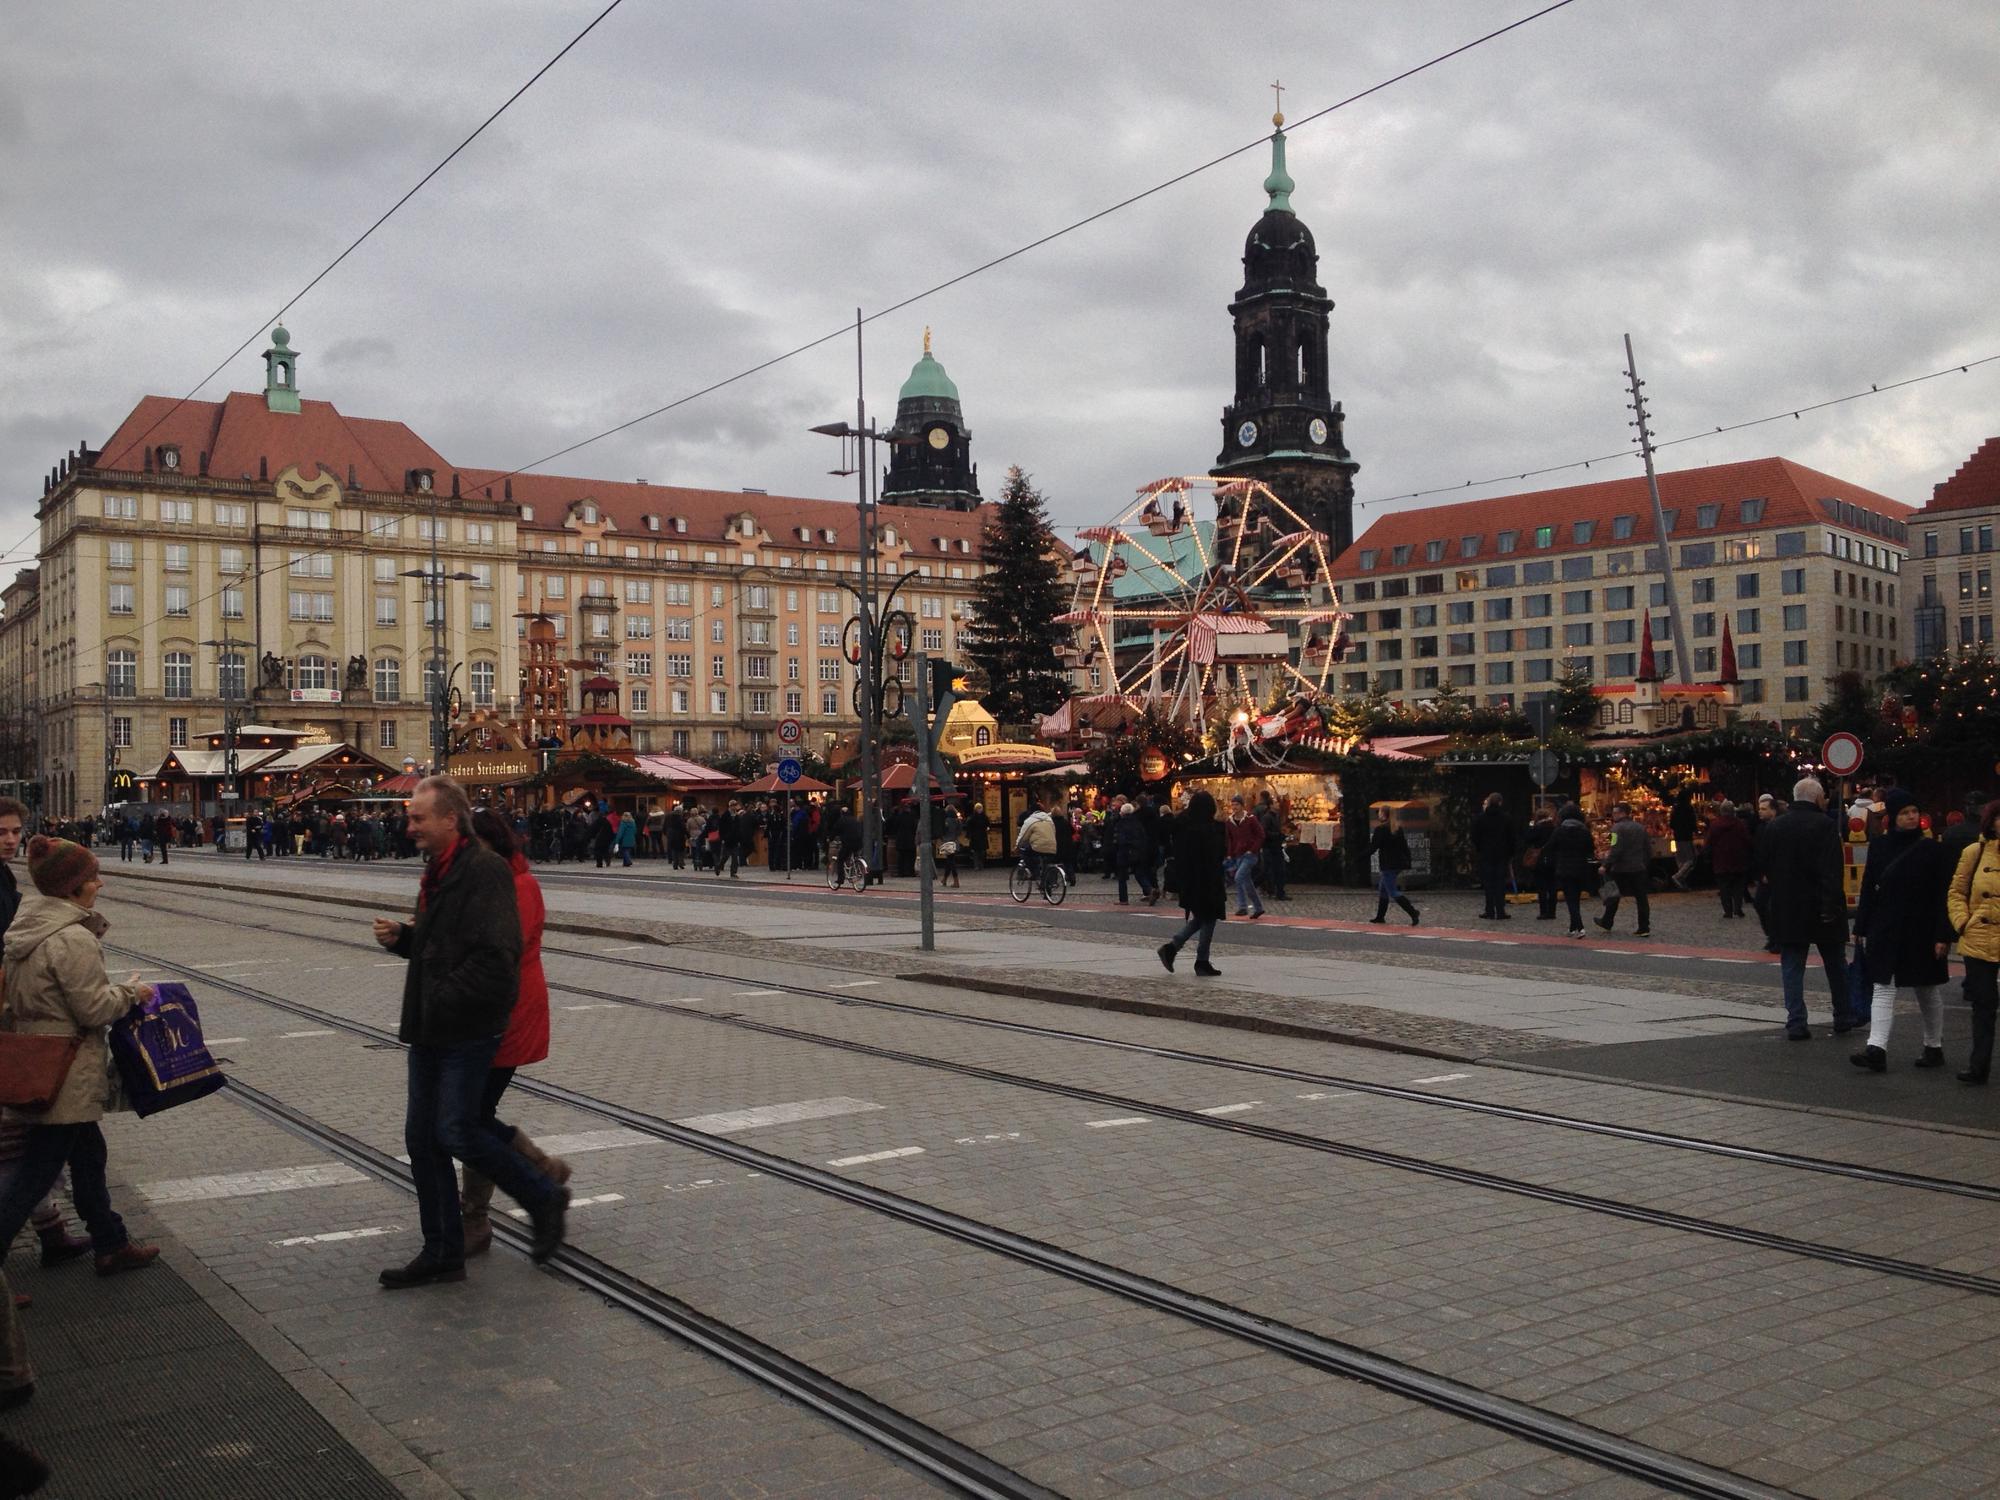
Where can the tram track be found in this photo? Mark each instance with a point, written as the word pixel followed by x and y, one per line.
pixel 1641 1135
pixel 1652 1217
pixel 1548 1429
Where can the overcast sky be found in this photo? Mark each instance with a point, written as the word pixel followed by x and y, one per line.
pixel 1780 201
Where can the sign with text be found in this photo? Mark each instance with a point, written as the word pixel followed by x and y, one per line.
pixel 315 695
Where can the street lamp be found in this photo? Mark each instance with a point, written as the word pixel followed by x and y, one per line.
pixel 440 685
pixel 230 681
pixel 110 750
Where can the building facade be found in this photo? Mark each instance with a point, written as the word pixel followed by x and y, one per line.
pixel 268 555
pixel 1953 560
pixel 1797 573
pixel 20 679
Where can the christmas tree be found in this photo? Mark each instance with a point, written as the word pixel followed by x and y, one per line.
pixel 1012 639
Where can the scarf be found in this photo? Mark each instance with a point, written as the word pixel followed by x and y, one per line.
pixel 434 873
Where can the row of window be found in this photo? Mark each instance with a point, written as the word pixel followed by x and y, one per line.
pixel 1749 512
pixel 1582 633
pixel 1970 539
pixel 1542 671
pixel 175 512
pixel 1574 569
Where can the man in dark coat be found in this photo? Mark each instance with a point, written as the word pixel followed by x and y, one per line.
pixel 464 948
pixel 1132 854
pixel 1798 853
pixel 1493 855
pixel 1902 930
pixel 1200 846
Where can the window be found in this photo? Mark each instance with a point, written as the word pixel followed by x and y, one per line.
pixel 638 591
pixel 1576 602
pixel 310 606
pixel 176 555
pixel 1388 619
pixel 121 507
pixel 1747 585
pixel 177 734
pixel 1399 555
pixel 1621 528
pixel 717 667
pixel 310 520
pixel 1795 617
pixel 1468 546
pixel 1538 572
pixel 679 664
pixel 1795 653
pixel 718 700
pixel 677 628
pixel 1705 516
pixel 1499 609
pixel 1506 541
pixel 311 565
pixel 717 630
pixel 1656 595
pixel 483 673
pixel 1466 579
pixel 385 609
pixel 638 664
pixel 1749 621
pixel 1538 669
pixel 232 515
pixel 1704 658
pixel 760 703
pixel 1620 665
pixel 1795 690
pixel 554 586
pixel 121 732
pixel 1749 657
pixel 177 599
pixel 1703 591
pixel 1499 640
pixel 482 614
pixel 1792 581
pixel 1434 550
pixel 121 599
pixel 229 676
pixel 758 668
pixel 932 640
pixel 310 673
pixel 1704 623
pixel 638 627
pixel 756 632
pixel 1698 555
pixel 1499 672
pixel 1750 512
pixel 1545 536
pixel 1537 606
pixel 177 512
pixel 1576 568
pixel 1458 644
pixel 1501 577
pixel 388 680
pixel 1391 650
pixel 1538 638
pixel 1620 632
pixel 1577 634
pixel 1458 612
pixel 1618 598
pixel 678 593
pixel 1581 532
pixel 829 670
pixel 122 667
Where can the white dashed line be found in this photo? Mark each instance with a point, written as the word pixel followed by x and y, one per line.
pixel 595 1005
pixel 335 1236
pixel 223 1041
pixel 522 1213
pixel 1122 1120
pixel 855 984
pixel 1339 1094
pixel 1442 1078
pixel 1502 942
pixel 731 1120
pixel 627 947
pixel 289 1035
pixel 746 994
pixel 249 1184
pixel 1732 960
pixel 394 963
pixel 855 1161
pixel 1230 1109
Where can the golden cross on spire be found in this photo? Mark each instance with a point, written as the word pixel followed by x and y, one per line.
pixel 927 338
pixel 1278 103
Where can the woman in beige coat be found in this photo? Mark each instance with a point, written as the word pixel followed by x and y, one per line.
pixel 1973 904
pixel 56 986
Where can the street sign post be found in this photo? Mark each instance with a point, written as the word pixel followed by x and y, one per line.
pixel 1841 754
pixel 1544 766
pixel 791 732
pixel 790 770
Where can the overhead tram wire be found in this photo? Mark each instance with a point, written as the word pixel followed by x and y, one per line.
pixel 362 238
pixel 1035 244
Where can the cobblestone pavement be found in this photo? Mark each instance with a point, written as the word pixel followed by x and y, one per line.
pixel 1815 1377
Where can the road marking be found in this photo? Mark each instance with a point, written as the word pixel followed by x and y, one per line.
pixel 249 1184
pixel 522 1213
pixel 594 1140
pixel 1337 1094
pixel 854 984
pixel 1503 942
pixel 223 1041
pixel 595 1005
pixel 1122 1120
pixel 1732 960
pixel 1615 951
pixel 731 1120
pixel 1444 939
pixel 1230 1109
pixel 974 1140
pixel 232 963
pixel 745 994
pixel 336 1235
pixel 855 1161
pixel 394 963
pixel 289 1035
pixel 1442 1078
pixel 627 947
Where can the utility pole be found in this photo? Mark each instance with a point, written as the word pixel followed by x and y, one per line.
pixel 1682 665
pixel 871 761
pixel 440 696
pixel 232 712
pixel 920 720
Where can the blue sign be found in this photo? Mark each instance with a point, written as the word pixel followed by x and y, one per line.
pixel 789 770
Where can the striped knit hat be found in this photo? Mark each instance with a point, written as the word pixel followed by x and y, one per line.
pixel 59 867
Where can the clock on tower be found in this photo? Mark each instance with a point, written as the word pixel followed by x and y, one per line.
pixel 1284 427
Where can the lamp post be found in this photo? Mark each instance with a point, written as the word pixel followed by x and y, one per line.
pixel 229 683
pixel 440 693
pixel 110 750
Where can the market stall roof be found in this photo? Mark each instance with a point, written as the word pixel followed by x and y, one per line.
pixel 685 772
pixel 903 778
pixel 199 765
pixel 1408 746
pixel 1099 711
pixel 769 783
pixel 319 758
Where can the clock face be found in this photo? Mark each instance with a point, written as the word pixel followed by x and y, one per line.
pixel 1318 429
pixel 940 438
pixel 1246 434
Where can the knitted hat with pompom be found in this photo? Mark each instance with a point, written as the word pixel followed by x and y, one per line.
pixel 59 867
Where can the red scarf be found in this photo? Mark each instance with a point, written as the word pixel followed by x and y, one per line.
pixel 434 873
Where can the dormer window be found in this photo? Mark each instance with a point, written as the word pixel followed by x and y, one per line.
pixel 805 533
pixel 747 525
pixel 965 544
pixel 170 456
pixel 587 513
pixel 527 512
pixel 827 535
pixel 888 536
pixel 652 523
pixel 680 524
pixel 421 480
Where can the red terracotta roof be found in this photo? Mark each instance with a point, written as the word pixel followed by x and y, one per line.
pixel 1976 483
pixel 711 515
pixel 1791 493
pixel 238 430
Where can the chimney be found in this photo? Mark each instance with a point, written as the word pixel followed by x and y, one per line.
pixel 350 476
pixel 509 490
pixel 204 461
pixel 263 467
pixel 454 486
pixel 146 464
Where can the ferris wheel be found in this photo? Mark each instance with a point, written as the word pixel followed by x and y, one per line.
pixel 1192 614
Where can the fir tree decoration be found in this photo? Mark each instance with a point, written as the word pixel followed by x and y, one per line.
pixel 1012 638
pixel 1573 703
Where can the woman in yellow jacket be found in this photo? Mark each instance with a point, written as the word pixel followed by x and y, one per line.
pixel 1973 904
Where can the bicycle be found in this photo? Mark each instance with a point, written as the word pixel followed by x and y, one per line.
pixel 1050 879
pixel 846 869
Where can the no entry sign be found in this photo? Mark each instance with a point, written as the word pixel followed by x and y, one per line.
pixel 1841 754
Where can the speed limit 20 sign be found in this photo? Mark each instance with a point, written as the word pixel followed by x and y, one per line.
pixel 790 731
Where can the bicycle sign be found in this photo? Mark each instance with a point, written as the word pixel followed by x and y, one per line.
pixel 790 770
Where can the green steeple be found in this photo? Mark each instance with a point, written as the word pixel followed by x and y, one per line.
pixel 281 373
pixel 1279 184
pixel 927 378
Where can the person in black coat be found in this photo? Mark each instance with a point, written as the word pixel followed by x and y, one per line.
pixel 903 835
pixel 1199 846
pixel 1132 854
pixel 1541 832
pixel 1903 930
pixel 1389 847
pixel 1493 855
pixel 1574 854
pixel 1805 904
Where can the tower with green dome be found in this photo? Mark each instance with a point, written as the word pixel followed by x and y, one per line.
pixel 930 463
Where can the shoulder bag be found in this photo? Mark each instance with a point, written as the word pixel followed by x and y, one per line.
pixel 32 1069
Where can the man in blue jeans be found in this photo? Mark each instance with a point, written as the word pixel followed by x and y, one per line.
pixel 464 949
pixel 1798 852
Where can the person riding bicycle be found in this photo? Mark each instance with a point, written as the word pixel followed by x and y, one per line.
pixel 1036 842
pixel 847 836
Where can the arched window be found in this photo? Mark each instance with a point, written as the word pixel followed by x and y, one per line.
pixel 177 674
pixel 1302 365
pixel 432 677
pixel 388 680
pixel 229 676
pixel 482 684
pixel 311 673
pixel 1263 364
pixel 122 673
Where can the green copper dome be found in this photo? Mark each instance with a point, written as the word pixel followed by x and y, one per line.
pixel 927 378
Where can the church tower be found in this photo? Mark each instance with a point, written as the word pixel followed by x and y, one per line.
pixel 1284 427
pixel 930 463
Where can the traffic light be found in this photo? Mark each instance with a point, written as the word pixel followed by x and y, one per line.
pixel 944 683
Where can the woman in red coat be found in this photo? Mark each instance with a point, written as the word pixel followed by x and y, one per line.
pixel 525 1041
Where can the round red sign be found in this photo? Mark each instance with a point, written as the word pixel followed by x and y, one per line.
pixel 1152 764
pixel 1841 753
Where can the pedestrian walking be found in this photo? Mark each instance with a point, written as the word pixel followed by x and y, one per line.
pixel 628 839
pixel 1540 861
pixel 1272 817
pixel 1903 931
pixel 163 835
pixel 1389 847
pixel 1627 865
pixel 464 948
pixel 56 986
pixel 1132 855
pixel 1244 837
pixel 127 833
pixel 1575 857
pixel 1973 905
pixel 1200 849
pixel 1805 905
pixel 1729 851
pixel 951 839
pixel 1493 855
pixel 1685 825
pixel 525 1041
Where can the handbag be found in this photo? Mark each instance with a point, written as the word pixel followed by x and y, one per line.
pixel 32 1069
pixel 159 1053
pixel 947 847
pixel 1530 858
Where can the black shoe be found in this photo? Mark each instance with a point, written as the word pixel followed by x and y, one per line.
pixel 1166 952
pixel 17 1395
pixel 1797 1034
pixel 1844 1024
pixel 1503 916
pixel 549 1225
pixel 1545 916
pixel 22 1469
pixel 1968 1076
pixel 1377 921
pixel 1643 932
pixel 1206 971
pixel 422 1272
pixel 1486 916
pixel 1600 924
pixel 1931 1057
pixel 1874 1059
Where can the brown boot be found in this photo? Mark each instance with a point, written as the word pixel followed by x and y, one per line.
pixel 474 1200
pixel 552 1167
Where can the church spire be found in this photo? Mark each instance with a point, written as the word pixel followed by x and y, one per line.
pixel 1279 184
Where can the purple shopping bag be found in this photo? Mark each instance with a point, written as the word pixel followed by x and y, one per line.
pixel 159 1053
